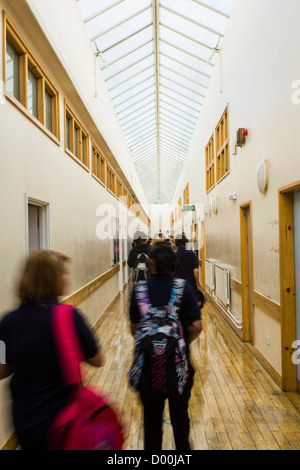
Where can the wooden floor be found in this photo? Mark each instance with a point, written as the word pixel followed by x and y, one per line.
pixel 234 404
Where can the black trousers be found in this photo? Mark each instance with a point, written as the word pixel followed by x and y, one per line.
pixel 153 423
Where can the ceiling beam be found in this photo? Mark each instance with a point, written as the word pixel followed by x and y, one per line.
pixel 156 21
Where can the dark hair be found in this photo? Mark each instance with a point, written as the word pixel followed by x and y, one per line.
pixel 163 257
pixel 40 279
pixel 181 240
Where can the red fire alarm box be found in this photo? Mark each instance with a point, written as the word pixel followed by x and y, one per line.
pixel 241 137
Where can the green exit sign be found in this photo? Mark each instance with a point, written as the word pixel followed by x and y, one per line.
pixel 189 208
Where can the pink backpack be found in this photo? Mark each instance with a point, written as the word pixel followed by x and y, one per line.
pixel 88 421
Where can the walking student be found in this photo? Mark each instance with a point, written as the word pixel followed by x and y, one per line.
pixel 138 257
pixel 37 386
pixel 187 263
pixel 160 307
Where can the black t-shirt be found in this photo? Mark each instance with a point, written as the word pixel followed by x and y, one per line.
pixel 188 261
pixel 160 287
pixel 38 391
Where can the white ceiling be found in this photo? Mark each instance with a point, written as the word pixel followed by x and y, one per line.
pixel 157 57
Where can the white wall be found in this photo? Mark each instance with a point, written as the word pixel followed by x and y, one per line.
pixel 259 66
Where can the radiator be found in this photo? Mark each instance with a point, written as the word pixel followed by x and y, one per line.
pixel 222 284
pixel 210 274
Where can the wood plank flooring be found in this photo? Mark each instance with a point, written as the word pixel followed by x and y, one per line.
pixel 235 405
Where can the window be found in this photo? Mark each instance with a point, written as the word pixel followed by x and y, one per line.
pixel 210 164
pixel 32 94
pixel 12 71
pixel 118 188
pixel 28 84
pixel 99 165
pixel 67 133
pixel 186 195
pixel 33 228
pixel 110 179
pixel 48 111
pixel 222 147
pixel 76 139
pixel 179 209
pixel 125 196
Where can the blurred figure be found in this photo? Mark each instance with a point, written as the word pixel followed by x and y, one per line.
pixel 138 257
pixel 37 385
pixel 187 262
pixel 160 289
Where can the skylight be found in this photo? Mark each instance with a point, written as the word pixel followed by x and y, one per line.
pixel 157 57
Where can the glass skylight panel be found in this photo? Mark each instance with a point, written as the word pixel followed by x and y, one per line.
pixel 118 88
pixel 136 99
pixel 179 99
pixel 164 130
pixel 187 27
pixel 171 82
pixel 186 118
pixel 186 59
pixel 127 60
pixel 90 7
pixel 180 79
pixel 126 45
pixel 112 32
pixel 130 72
pixel 183 75
pixel 198 12
pixel 169 124
pixel 106 14
pixel 137 126
pixel 142 86
pixel 140 120
pixel 137 107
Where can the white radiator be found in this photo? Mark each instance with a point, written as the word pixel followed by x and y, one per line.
pixel 210 274
pixel 222 284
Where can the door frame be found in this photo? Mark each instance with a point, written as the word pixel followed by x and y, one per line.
pixel 44 205
pixel 245 269
pixel 287 284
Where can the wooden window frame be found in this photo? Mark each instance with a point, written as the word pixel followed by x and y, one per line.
pixel 118 188
pixel 222 147
pixel 76 151
pixel 98 165
pixel 179 208
pixel 110 179
pixel 210 164
pixel 124 196
pixel 186 194
pixel 28 60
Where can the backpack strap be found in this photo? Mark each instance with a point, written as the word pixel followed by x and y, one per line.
pixel 177 292
pixel 142 297
pixel 67 343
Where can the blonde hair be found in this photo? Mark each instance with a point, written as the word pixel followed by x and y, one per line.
pixel 157 240
pixel 41 276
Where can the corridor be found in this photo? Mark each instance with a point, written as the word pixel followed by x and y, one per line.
pixel 163 118
pixel 235 405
